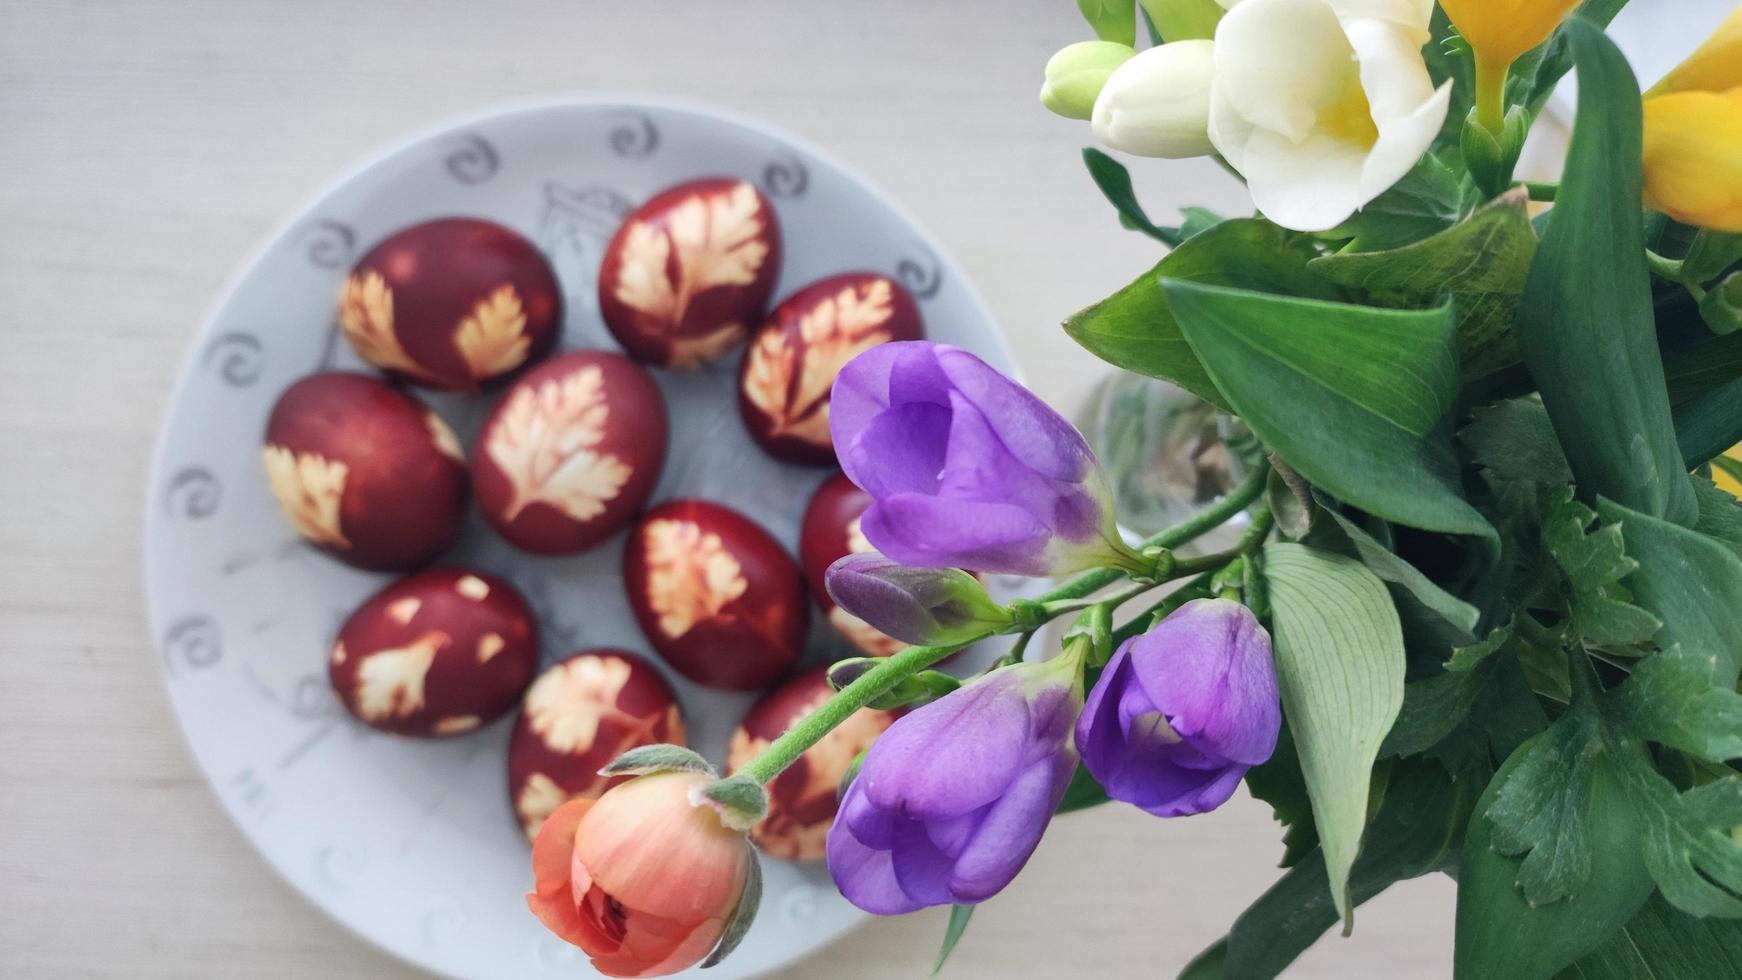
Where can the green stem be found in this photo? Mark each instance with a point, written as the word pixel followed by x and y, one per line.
pixel 1674 270
pixel 1542 190
pixel 786 749
pixel 1491 94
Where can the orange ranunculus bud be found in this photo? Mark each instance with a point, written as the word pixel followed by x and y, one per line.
pixel 642 879
pixel 1501 30
pixel 1715 66
pixel 1693 157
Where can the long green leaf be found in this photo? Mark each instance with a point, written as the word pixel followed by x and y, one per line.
pixel 1401 574
pixel 1351 396
pixel 1480 264
pixel 1585 323
pixel 1661 943
pixel 1115 183
pixel 959 916
pixel 1340 664
pixel 1135 329
pixel 1688 580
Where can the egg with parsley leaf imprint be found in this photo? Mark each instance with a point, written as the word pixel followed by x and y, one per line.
pixel 576 718
pixel 802 799
pixel 364 471
pixel 453 303
pixel 439 653
pixel 690 272
pixel 830 531
pixel 715 594
pixel 571 452
pixel 792 360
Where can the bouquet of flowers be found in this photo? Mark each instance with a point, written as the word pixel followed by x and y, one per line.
pixel 1485 615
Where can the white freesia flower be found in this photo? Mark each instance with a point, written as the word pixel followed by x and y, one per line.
pixel 1322 104
pixel 1158 103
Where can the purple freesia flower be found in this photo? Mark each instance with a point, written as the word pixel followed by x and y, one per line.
pixel 967 468
pixel 915 605
pixel 1183 711
pixel 953 798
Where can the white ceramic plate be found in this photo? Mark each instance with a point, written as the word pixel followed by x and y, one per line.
pixel 411 844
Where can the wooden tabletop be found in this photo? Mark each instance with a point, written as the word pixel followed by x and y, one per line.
pixel 146 146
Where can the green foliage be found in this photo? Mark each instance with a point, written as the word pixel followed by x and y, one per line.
pixel 1690 848
pixel 1720 515
pixel 1135 328
pixel 1662 943
pixel 1592 564
pixel 1670 699
pixel 1429 199
pixel 959 916
pixel 1515 440
pixel 1377 382
pixel 1113 20
pixel 743 914
pixel 1340 664
pixel 1115 183
pixel 1691 582
pixel 1590 340
pixel 1405 577
pixel 1280 783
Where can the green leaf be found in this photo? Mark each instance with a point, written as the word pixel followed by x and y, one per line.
pixel 1115 183
pixel 959 916
pixel 1704 373
pixel 1720 515
pixel 1586 324
pixel 1540 812
pixel 1278 781
pixel 647 759
pixel 1082 793
pixel 1135 329
pixel 1535 75
pixel 740 800
pixel 1468 658
pixel 1417 830
pixel 1670 699
pixel 1690 581
pixel 1429 199
pixel 1290 499
pixel 1689 846
pixel 1406 577
pixel 743 914
pixel 1351 396
pixel 1593 566
pixel 1480 264
pixel 1662 943
pixel 1113 20
pixel 1433 708
pixel 1514 440
pixel 1340 664
pixel 1711 253
pixel 1501 936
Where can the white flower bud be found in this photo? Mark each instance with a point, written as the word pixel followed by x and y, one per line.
pixel 1158 103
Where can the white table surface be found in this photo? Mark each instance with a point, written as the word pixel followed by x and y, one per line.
pixel 146 147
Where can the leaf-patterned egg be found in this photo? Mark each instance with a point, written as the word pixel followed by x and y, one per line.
pixel 578 716
pixel 717 597
pixel 438 653
pixel 802 799
pixel 453 303
pixel 365 471
pixel 570 453
pixel 792 360
pixel 690 272
pixel 830 532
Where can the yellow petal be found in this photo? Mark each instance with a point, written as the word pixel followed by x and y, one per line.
pixel 1693 158
pixel 1715 66
pixel 1501 30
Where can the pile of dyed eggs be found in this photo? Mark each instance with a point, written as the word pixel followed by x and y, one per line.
pixel 568 458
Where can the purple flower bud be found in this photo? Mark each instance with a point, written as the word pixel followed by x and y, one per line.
pixel 915 605
pixel 1183 711
pixel 967 468
pixel 953 798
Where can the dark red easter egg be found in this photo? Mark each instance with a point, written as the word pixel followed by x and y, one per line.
pixel 717 597
pixel 365 471
pixel 830 532
pixel 576 718
pixel 453 303
pixel 570 453
pixel 792 360
pixel 690 272
pixel 802 799
pixel 442 652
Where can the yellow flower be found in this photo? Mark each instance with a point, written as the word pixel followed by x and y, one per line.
pixel 1501 30
pixel 1715 66
pixel 1693 157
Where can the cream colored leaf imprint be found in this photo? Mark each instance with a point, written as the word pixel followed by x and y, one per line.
pixel 685 352
pixel 712 239
pixel 781 833
pixel 489 645
pixel 309 488
pixel 390 682
pixel 691 577
pixel 538 799
pixel 442 436
pixel 546 443
pixel 493 338
pixel 794 395
pixel 366 315
pixel 863 635
pixel 857 542
pixel 455 724
pixel 567 703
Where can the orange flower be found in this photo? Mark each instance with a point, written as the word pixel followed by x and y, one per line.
pixel 642 879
